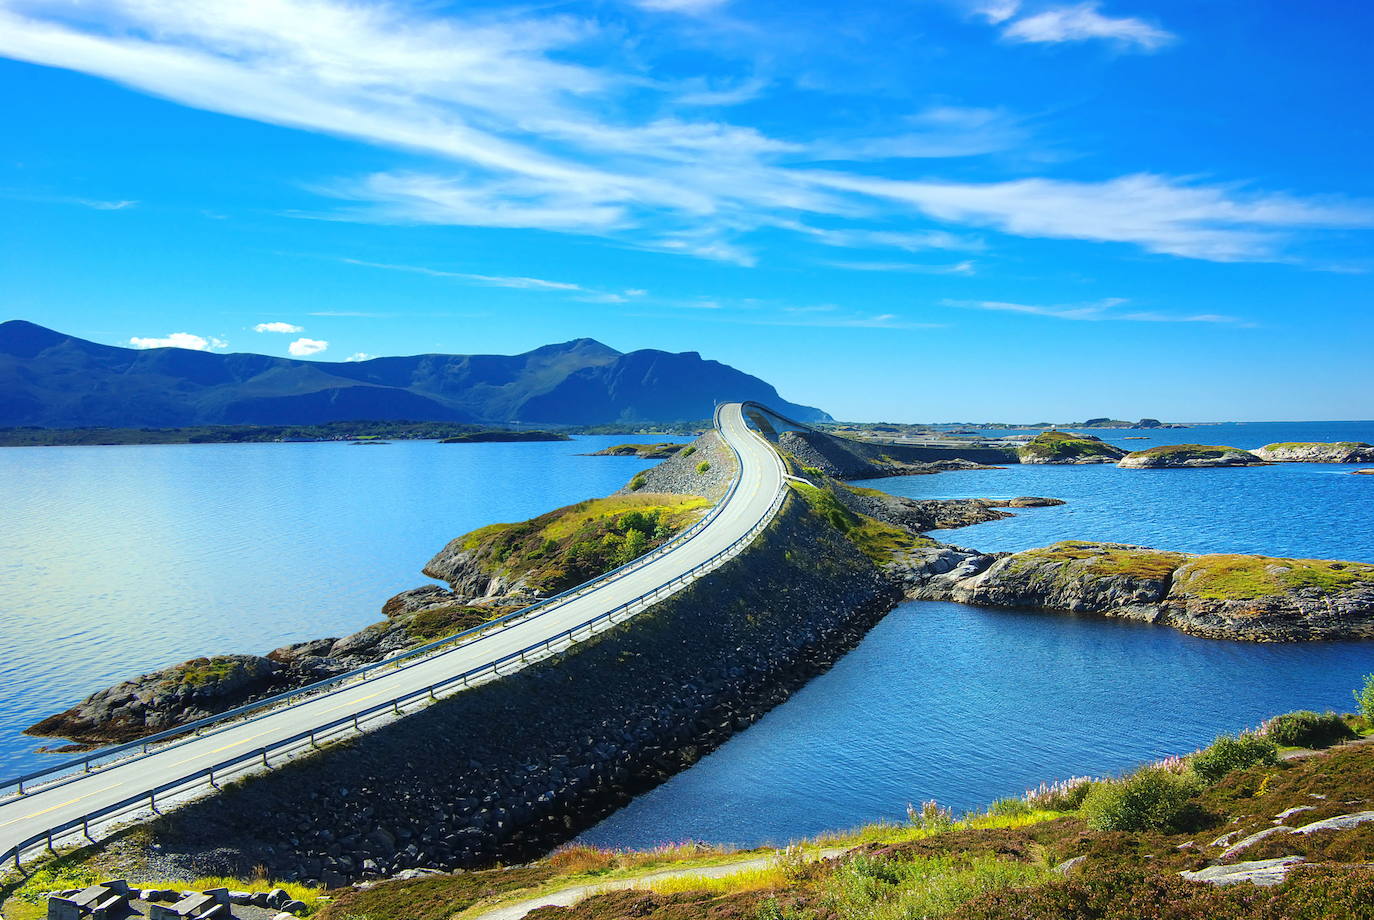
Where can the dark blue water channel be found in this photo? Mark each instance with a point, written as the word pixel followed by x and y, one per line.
pixel 966 705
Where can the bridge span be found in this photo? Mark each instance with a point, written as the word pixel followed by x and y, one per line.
pixel 86 796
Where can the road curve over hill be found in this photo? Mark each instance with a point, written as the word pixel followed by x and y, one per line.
pixel 56 804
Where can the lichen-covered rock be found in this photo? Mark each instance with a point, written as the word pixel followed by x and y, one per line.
pixel 1064 447
pixel 1317 452
pixel 921 514
pixel 1186 456
pixel 1107 578
pixel 163 699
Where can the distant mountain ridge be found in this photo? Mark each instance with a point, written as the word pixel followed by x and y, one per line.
pixel 54 380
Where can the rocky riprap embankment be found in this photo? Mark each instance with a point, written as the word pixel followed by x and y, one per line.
pixel 1317 452
pixel 202 687
pixel 1257 598
pixel 511 768
pixel 682 474
pixel 847 459
pixel 1188 456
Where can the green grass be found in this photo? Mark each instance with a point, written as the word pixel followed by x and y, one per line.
pixel 865 887
pixel 703 466
pixel 1105 559
pixel 1060 445
pixel 1237 577
pixel 877 541
pixel 1186 452
pixel 1292 445
pixel 202 672
pixel 570 545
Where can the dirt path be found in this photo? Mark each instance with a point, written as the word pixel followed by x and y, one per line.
pixel 567 897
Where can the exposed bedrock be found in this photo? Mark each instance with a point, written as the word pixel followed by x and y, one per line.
pixel 509 769
pixel 1317 452
pixel 1221 596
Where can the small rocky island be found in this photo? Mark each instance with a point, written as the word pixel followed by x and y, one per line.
pixel 1317 452
pixel 1188 456
pixel 642 451
pixel 1065 447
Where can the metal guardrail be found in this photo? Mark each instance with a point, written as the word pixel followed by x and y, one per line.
pixel 491 669
pixel 81 765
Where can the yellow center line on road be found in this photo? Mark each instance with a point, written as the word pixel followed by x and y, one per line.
pixel 58 805
pixel 243 741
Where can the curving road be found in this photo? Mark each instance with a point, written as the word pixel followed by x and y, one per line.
pixel 72 798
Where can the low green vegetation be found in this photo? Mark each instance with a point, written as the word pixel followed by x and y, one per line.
pixel 1150 799
pixel 703 466
pixel 202 672
pixel 1364 699
pixel 1233 752
pixel 1179 452
pixel 877 540
pixel 1106 558
pixel 568 546
pixel 1307 729
pixel 1237 577
pixel 637 482
pixel 1061 445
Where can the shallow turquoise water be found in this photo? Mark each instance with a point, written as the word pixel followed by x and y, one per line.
pixel 118 560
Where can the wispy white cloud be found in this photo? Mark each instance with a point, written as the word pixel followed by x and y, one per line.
pixel 277 327
pixel 1157 213
pixel 521 135
pixel 98 205
pixel 690 7
pixel 965 267
pixel 1083 22
pixel 185 340
pixel 303 347
pixel 359 356
pixel 996 11
pixel 509 281
pixel 1096 311
pixel 937 133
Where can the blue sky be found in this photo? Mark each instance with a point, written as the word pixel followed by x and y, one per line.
pixel 921 210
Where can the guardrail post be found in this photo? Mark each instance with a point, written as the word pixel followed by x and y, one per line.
pixel 264 757
pixel 152 802
pixel 312 744
pixel 356 727
pixel 21 787
pixel 50 849
pixel 211 773
pixel 86 830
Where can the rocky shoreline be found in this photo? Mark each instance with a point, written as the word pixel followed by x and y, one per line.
pixel 1253 598
pixel 510 769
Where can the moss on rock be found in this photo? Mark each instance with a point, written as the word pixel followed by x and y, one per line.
pixel 1065 447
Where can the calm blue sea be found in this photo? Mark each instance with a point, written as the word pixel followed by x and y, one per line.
pixel 966 705
pixel 116 560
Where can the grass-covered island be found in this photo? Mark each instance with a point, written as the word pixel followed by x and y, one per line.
pixel 1187 456
pixel 1065 447
pixel 1271 824
pixel 644 451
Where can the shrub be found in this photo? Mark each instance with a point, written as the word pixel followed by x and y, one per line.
pixel 637 482
pixel 932 816
pixel 703 466
pixel 1233 752
pixel 689 450
pixel 1308 729
pixel 1149 799
pixel 1062 795
pixel 1364 698
pixel 1010 808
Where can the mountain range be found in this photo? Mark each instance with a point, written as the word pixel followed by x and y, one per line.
pixel 53 380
